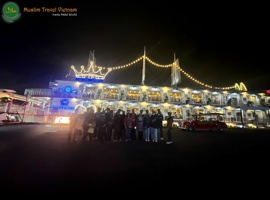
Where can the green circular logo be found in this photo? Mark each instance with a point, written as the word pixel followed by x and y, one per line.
pixel 11 12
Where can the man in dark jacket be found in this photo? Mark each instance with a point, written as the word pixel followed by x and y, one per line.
pixel 101 125
pixel 109 124
pixel 169 128
pixel 154 126
pixel 117 126
pixel 159 122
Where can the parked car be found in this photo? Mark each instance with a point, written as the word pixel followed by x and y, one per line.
pixel 206 121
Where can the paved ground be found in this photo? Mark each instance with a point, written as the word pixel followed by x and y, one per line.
pixel 37 160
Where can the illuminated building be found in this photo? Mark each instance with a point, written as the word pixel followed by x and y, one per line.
pixel 88 88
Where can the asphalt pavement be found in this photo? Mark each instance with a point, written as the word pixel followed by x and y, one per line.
pixel 38 160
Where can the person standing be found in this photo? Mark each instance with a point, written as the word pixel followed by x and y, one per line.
pixel 101 126
pixel 169 128
pixel 72 125
pixel 128 126
pixel 97 113
pixel 256 119
pixel 78 133
pixel 146 126
pixel 154 127
pixel 133 129
pixel 109 124
pixel 159 122
pixel 89 117
pixel 139 125
pixel 117 126
pixel 122 125
pixel 91 125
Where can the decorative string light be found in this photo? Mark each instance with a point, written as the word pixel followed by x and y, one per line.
pixel 99 72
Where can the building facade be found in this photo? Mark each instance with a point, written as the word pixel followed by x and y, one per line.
pixel 87 87
pixel 239 108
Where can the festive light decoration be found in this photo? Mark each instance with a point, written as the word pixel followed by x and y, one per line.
pixel 240 87
pixel 97 72
pixel 93 72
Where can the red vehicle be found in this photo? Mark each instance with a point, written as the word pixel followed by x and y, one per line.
pixel 207 121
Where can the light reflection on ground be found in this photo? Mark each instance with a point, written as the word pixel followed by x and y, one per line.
pixel 12 135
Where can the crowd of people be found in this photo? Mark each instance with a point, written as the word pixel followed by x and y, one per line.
pixel 105 125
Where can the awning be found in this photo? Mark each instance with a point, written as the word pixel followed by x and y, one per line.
pixel 7 90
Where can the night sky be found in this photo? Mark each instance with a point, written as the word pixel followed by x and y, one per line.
pixel 219 45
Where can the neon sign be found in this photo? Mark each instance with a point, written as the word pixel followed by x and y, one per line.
pixel 93 80
pixel 67 89
pixel 64 102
